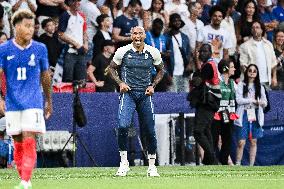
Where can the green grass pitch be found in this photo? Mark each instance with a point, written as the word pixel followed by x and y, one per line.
pixel 172 177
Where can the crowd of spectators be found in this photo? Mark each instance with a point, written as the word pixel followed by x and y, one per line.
pixel 176 27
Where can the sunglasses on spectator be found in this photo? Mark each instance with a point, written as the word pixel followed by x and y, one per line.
pixel 252 71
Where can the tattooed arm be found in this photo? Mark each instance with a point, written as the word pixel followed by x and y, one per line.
pixel 113 73
pixel 160 74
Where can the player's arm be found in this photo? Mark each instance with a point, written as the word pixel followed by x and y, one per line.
pixel 159 76
pixel 2 102
pixel 113 67
pixel 46 84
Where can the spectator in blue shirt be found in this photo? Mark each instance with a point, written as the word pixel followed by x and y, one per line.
pixel 279 11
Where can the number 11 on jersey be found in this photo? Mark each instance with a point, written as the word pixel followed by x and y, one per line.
pixel 22 73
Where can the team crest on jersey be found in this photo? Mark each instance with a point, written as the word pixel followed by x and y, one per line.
pixel 32 60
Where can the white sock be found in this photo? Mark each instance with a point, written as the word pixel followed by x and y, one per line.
pixel 25 183
pixel 123 156
pixel 29 183
pixel 152 159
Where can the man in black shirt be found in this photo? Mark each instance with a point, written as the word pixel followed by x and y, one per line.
pixel 50 39
pixel 97 71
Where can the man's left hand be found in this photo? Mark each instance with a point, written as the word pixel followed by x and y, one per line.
pixel 47 109
pixel 273 82
pixel 150 90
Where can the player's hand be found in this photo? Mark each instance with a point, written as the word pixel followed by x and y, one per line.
pixel 99 83
pixel 2 107
pixel 47 109
pixel 123 87
pixel 150 90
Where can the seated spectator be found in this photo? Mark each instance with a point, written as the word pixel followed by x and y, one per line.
pixel 267 17
pixel 156 11
pixel 102 34
pixel 72 30
pixel 113 8
pixel 259 51
pixel 249 14
pixel 50 39
pixel 98 70
pixel 20 4
pixel 123 24
pixel 279 52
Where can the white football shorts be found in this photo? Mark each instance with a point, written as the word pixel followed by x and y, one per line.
pixel 30 120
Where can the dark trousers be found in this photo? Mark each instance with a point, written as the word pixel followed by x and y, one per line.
pixel 225 130
pixel 74 68
pixel 202 132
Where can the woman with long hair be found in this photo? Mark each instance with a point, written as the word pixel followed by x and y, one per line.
pixel 249 14
pixel 251 100
pixel 278 43
pixel 156 11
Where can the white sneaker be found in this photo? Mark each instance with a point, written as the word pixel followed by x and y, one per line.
pixel 152 171
pixel 123 169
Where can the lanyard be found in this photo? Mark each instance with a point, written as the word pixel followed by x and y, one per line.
pixel 153 43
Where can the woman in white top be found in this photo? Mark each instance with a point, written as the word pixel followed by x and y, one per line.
pixel 251 100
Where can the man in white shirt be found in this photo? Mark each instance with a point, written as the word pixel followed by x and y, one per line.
pixel 259 51
pixel 215 35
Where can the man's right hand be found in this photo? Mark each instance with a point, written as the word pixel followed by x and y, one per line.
pixel 124 87
pixel 2 107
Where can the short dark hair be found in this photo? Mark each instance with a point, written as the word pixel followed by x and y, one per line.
pixel 158 21
pixel 133 3
pixel 226 4
pixel 1 11
pixel 100 19
pixel 46 21
pixel 21 14
pixel 215 9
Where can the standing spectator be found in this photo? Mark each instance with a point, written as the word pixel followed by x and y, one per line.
pixel 97 71
pixel 177 6
pixel 23 4
pixel 249 14
pixel 259 51
pixel 215 35
pixel 72 30
pixel 25 65
pixel 102 34
pixel 192 24
pixel 50 39
pixel 268 18
pixel 156 39
pixel 123 24
pixel 206 6
pixel 113 8
pixel 251 100
pixel 279 11
pixel 204 108
pixel 6 17
pixel 178 67
pixel 279 52
pixel 136 88
pixel 223 120
pixel 156 11
pixel 91 11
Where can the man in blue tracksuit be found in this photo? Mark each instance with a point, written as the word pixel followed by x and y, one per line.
pixel 136 87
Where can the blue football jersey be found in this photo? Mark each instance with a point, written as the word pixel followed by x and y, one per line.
pixel 22 68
